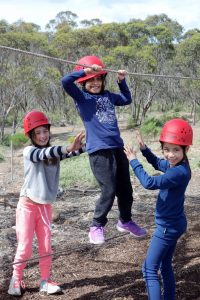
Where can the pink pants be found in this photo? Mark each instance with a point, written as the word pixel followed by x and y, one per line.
pixel 33 218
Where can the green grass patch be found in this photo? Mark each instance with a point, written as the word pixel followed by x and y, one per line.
pixel 76 171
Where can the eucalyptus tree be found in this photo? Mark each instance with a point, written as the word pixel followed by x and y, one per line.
pixel 188 61
pixel 4 26
pixel 61 19
pixel 154 52
pixel 88 23
pixel 20 72
pixel 153 46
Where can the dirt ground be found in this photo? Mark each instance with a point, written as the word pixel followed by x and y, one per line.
pixel 85 271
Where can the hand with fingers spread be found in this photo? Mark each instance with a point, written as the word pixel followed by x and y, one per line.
pixel 77 143
pixel 140 140
pixel 130 153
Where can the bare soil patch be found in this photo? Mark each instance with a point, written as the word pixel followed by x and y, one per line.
pixel 84 271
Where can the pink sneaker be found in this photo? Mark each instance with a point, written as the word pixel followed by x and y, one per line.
pixel 15 287
pixel 96 235
pixel 131 227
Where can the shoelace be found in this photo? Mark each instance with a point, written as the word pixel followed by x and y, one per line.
pixel 19 283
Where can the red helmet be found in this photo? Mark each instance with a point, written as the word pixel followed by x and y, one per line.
pixel 177 131
pixel 89 61
pixel 34 119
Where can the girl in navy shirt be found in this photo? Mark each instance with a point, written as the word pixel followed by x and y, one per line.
pixel 104 144
pixel 176 137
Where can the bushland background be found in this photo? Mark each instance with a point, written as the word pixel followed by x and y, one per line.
pixel 163 64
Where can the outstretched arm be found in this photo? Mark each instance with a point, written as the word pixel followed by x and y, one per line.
pixel 35 154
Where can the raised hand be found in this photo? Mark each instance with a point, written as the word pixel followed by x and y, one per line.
pixel 93 69
pixel 130 153
pixel 140 140
pixel 121 74
pixel 77 143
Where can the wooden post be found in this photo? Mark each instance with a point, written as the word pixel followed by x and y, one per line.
pixel 11 159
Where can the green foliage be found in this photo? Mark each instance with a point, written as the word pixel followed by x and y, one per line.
pixel 6 140
pixel 155 45
pixel 76 171
pixel 146 55
pixel 1 157
pixel 9 121
pixel 131 123
pixel 152 126
pixel 177 108
pixel 18 140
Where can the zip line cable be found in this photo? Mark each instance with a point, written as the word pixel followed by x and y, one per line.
pixel 105 69
pixel 60 252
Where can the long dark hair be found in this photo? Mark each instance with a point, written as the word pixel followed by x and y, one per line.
pixel 185 158
pixel 49 161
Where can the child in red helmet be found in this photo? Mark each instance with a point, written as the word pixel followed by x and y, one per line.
pixel 104 143
pixel 39 191
pixel 176 137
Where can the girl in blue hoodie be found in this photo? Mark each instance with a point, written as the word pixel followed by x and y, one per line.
pixel 176 137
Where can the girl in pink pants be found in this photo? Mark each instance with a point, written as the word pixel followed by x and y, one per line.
pixel 33 218
pixel 39 191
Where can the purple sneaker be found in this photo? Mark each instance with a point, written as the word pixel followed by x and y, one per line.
pixel 96 235
pixel 131 227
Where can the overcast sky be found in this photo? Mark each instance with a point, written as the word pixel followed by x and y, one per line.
pixel 40 12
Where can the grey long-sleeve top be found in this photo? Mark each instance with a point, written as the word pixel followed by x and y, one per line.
pixel 41 176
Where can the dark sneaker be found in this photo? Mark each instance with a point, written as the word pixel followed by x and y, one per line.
pixel 49 287
pixel 131 227
pixel 15 287
pixel 96 235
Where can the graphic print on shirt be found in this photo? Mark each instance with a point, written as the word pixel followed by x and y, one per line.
pixel 105 111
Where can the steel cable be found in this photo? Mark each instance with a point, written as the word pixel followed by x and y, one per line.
pixel 105 69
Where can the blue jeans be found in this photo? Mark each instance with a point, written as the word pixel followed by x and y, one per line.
pixel 159 257
pixel 111 170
